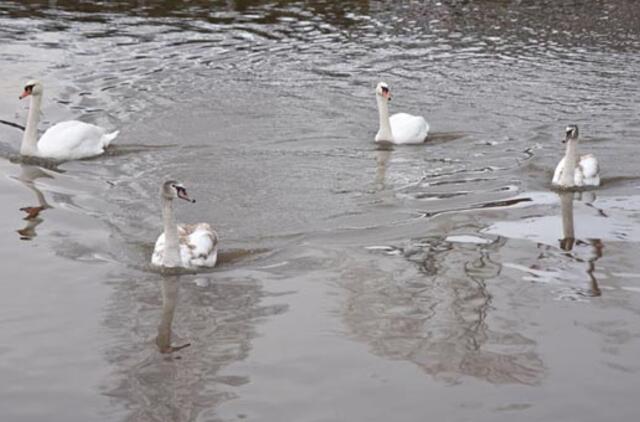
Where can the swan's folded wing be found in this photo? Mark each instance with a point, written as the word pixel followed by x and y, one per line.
pixel 590 170
pixel 72 139
pixel 408 129
pixel 589 164
pixel 158 251
pixel 201 244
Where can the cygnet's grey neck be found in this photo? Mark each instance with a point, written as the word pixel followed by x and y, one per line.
pixel 171 241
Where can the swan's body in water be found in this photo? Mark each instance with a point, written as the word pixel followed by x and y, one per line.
pixel 574 170
pixel 67 140
pixel 183 245
pixel 401 128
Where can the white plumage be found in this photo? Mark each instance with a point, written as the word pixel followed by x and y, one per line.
pixel 183 245
pixel 401 128
pixel 408 129
pixel 73 140
pixel 198 246
pixel 574 170
pixel 68 140
pixel 586 172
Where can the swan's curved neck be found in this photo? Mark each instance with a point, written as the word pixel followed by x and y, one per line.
pixel 30 139
pixel 384 133
pixel 171 241
pixel 570 162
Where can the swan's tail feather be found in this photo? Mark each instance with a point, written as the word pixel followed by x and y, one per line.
pixel 108 137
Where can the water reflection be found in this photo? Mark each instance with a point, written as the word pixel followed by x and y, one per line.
pixel 28 175
pixel 435 313
pixel 169 289
pixel 561 244
pixel 568 233
pixel 156 374
pixel 383 155
pixel 568 240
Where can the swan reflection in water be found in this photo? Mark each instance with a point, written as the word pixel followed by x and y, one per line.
pixel 169 288
pixel 568 241
pixel 28 175
pixel 383 154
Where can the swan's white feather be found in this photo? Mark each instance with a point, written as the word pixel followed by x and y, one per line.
pixel 198 246
pixel 73 139
pixel 408 129
pixel 587 172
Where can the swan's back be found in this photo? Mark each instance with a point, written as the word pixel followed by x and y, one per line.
pixel 74 139
pixel 198 246
pixel 587 172
pixel 408 129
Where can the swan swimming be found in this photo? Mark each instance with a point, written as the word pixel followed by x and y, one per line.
pixel 574 170
pixel 183 245
pixel 401 128
pixel 68 140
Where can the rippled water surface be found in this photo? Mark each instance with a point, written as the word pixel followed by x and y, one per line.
pixel 358 281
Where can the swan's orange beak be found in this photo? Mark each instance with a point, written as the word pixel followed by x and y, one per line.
pixel 387 95
pixel 26 93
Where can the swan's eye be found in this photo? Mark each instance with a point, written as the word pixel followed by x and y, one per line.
pixel 28 88
pixel 385 90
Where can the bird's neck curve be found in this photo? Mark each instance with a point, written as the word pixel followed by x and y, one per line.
pixel 30 138
pixel 171 241
pixel 384 133
pixel 570 162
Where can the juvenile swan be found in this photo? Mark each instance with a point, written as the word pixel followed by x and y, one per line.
pixel 67 140
pixel 401 128
pixel 573 170
pixel 184 245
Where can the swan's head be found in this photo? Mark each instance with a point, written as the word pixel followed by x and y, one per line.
pixel 383 90
pixel 172 189
pixel 32 87
pixel 572 133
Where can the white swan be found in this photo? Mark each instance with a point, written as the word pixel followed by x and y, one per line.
pixel 68 140
pixel 401 128
pixel 575 171
pixel 184 245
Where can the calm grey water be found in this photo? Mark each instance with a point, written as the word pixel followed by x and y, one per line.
pixel 442 282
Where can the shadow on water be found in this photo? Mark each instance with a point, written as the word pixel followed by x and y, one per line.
pixel 12 124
